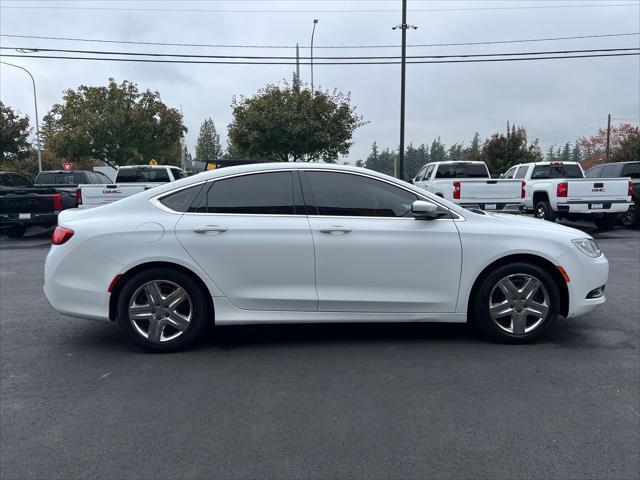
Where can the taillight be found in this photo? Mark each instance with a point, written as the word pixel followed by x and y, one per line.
pixel 630 189
pixel 523 192
pixel 456 190
pixel 57 202
pixel 61 235
pixel 556 163
pixel 78 196
pixel 563 189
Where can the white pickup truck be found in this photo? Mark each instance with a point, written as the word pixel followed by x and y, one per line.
pixel 469 184
pixel 129 181
pixel 559 190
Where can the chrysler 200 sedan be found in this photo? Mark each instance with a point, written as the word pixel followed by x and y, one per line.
pixel 300 242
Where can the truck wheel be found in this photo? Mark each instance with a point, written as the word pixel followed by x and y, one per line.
pixel 631 218
pixel 543 211
pixel 16 231
pixel 606 222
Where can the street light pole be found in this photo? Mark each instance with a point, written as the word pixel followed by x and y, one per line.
pixel 35 103
pixel 315 22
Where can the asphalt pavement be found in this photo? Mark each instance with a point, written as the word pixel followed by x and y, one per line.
pixel 318 401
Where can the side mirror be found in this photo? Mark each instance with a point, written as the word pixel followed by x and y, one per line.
pixel 424 210
pixel 502 175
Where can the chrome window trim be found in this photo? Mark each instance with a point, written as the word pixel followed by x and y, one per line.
pixel 155 201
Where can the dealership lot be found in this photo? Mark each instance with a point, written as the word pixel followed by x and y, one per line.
pixel 357 401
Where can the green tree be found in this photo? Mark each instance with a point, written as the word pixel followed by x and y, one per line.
pixel 208 147
pixel 383 162
pixel 565 155
pixel 414 160
pixel 628 150
pixel 474 151
pixel 438 151
pixel 117 124
pixel 285 123
pixel 503 150
pixel 576 153
pixel 455 152
pixel 14 140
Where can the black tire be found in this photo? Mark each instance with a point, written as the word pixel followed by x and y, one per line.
pixel 480 303
pixel 16 231
pixel 201 316
pixel 606 222
pixel 631 218
pixel 543 211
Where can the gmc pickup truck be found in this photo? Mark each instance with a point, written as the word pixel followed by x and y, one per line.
pixel 470 185
pixel 559 190
pixel 129 181
pixel 630 219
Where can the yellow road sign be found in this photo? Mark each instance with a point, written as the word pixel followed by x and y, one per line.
pixel 153 162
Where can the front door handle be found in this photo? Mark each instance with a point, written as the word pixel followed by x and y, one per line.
pixel 335 230
pixel 210 229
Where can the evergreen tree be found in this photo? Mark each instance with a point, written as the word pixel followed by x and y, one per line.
pixel 438 152
pixel 455 152
pixel 565 156
pixel 208 147
pixel 550 156
pixel 474 151
pixel 576 154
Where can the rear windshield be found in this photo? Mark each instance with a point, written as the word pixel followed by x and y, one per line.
pixel 569 170
pixel 631 170
pixel 145 175
pixel 60 178
pixel 462 170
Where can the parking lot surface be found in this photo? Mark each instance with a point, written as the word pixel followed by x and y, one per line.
pixel 318 401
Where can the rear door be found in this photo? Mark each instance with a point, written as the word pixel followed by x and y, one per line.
pixel 251 235
pixel 371 255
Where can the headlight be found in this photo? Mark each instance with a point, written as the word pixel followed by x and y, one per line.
pixel 588 246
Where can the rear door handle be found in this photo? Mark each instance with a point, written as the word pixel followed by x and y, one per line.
pixel 210 229
pixel 335 230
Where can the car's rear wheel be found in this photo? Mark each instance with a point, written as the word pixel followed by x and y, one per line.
pixel 162 310
pixel 516 303
pixel 543 211
pixel 631 218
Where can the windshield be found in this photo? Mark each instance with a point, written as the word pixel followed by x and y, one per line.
pixel 147 175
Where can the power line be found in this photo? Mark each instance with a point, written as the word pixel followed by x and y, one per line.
pixel 213 45
pixel 263 57
pixel 229 62
pixel 381 10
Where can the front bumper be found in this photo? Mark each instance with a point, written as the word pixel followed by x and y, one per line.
pixel 585 275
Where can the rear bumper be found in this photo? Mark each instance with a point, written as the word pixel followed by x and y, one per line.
pixel 41 219
pixel 509 207
pixel 587 207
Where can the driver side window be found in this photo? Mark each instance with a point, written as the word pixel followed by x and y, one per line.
pixel 344 194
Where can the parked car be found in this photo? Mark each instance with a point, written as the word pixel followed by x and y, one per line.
pixel 22 204
pixel 631 218
pixel 306 242
pixel 69 178
pixel 559 190
pixel 129 181
pixel 469 184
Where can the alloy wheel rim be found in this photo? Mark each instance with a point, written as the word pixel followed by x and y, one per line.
pixel 160 311
pixel 519 303
pixel 629 216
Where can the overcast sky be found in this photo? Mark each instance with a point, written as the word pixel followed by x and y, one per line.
pixel 557 100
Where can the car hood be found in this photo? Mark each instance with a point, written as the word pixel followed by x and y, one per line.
pixel 523 221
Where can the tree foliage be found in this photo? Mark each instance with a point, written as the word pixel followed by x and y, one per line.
pixel 285 123
pixel 117 124
pixel 503 150
pixel 628 150
pixel 208 147
pixel 594 148
pixel 14 139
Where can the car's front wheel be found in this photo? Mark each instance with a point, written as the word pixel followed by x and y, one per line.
pixel 516 303
pixel 162 310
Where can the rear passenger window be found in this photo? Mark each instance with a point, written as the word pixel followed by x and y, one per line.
pixel 521 173
pixel 256 194
pixel 182 199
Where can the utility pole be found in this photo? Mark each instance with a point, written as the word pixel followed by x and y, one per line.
pixel 35 104
pixel 298 62
pixel 315 22
pixel 403 67
pixel 606 153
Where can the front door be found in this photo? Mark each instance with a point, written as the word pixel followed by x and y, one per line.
pixel 372 255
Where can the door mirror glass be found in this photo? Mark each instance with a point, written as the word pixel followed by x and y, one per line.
pixel 425 210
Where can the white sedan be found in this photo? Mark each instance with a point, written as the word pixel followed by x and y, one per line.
pixel 299 242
